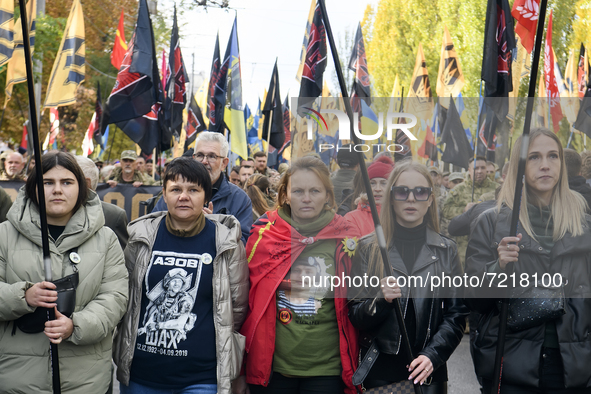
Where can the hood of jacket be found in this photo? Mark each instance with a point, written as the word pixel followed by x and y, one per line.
pixel 84 223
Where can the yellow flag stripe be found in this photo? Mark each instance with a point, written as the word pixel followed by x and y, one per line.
pixel 254 248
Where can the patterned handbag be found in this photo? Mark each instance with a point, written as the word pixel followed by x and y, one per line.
pixel 403 387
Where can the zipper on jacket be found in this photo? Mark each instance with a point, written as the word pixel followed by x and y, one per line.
pixel 429 326
pixel 403 317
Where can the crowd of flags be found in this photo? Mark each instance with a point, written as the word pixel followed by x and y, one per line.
pixel 151 104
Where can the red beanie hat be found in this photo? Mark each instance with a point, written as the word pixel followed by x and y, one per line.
pixel 380 168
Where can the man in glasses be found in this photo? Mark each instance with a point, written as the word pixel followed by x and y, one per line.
pixel 459 199
pixel 211 149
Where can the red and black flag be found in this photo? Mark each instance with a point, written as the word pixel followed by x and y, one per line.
pixel 216 94
pixel 286 124
pixel 487 138
pixel 315 60
pixel 499 41
pixel 135 101
pixel 195 122
pixel 429 149
pixel 97 136
pixel 457 147
pixel 176 92
pixel 273 129
pixel 583 73
pixel 358 63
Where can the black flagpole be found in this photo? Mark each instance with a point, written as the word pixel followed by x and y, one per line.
pixel 518 190
pixel 372 203
pixel 40 191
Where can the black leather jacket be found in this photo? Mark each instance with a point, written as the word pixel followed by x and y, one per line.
pixel 571 257
pixel 440 321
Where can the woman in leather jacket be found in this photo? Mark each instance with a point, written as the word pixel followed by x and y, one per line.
pixel 552 353
pixel 434 320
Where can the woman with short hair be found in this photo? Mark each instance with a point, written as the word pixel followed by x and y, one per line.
pixel 188 292
pixel 83 253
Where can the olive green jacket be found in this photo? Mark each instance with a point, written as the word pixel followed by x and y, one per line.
pixel 101 300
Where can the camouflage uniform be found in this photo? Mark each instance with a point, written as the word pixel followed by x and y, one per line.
pixel 441 194
pixel 456 201
pixel 18 177
pixel 117 176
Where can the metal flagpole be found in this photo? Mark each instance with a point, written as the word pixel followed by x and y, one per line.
pixel 53 352
pixel 363 170
pixel 481 106
pixel 498 366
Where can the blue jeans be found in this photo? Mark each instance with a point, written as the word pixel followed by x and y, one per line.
pixel 135 388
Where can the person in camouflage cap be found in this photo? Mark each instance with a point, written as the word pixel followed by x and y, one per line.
pixel 127 173
pixel 459 199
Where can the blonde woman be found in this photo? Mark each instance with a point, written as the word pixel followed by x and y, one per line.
pixel 434 319
pixel 547 350
pixel 257 188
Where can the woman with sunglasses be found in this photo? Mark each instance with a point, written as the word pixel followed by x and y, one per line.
pixel 548 344
pixel 434 319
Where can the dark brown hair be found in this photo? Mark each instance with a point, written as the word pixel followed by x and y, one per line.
pixel 54 159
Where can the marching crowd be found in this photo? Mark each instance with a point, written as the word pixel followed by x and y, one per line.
pixel 208 292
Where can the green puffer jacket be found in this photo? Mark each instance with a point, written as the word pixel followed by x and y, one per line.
pixel 101 300
pixel 230 294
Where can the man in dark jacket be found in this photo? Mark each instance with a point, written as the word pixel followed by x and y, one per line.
pixel 343 178
pixel 575 181
pixel 211 149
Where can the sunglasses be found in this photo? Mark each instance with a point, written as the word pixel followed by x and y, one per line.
pixel 401 193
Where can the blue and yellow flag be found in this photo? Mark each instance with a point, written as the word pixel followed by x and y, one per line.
pixel 234 114
pixel 17 72
pixel 69 67
pixel 6 30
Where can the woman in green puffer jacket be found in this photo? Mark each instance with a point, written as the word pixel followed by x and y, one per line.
pixel 78 242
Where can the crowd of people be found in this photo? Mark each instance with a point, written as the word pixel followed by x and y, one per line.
pixel 228 285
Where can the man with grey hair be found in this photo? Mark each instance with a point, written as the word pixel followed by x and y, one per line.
pixel 115 217
pixel 13 168
pixel 211 149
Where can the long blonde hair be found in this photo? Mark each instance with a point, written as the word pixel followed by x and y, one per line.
pixel 567 208
pixel 388 215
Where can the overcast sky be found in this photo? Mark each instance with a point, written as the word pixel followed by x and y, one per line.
pixel 267 29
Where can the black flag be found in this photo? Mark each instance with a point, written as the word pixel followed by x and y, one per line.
pixel 176 92
pixel 315 63
pixel 216 94
pixel 135 101
pixel 457 148
pixel 499 41
pixel 583 122
pixel 97 136
pixel 358 63
pixel 274 109
pixel 195 123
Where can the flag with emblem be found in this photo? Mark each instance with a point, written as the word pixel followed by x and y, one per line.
pixel 358 63
pixel 120 46
pixel 69 66
pixel 216 95
pixel 176 91
pixel 6 30
pixel 550 79
pixel 136 99
pixel 583 71
pixel 420 98
pixel 195 122
pixel 16 71
pixel 526 13
pixel 233 110
pixel 499 42
pixel 314 61
pixel 450 78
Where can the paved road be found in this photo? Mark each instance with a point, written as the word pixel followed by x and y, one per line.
pixel 462 379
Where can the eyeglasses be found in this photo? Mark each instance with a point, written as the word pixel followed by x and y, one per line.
pixel 401 193
pixel 210 158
